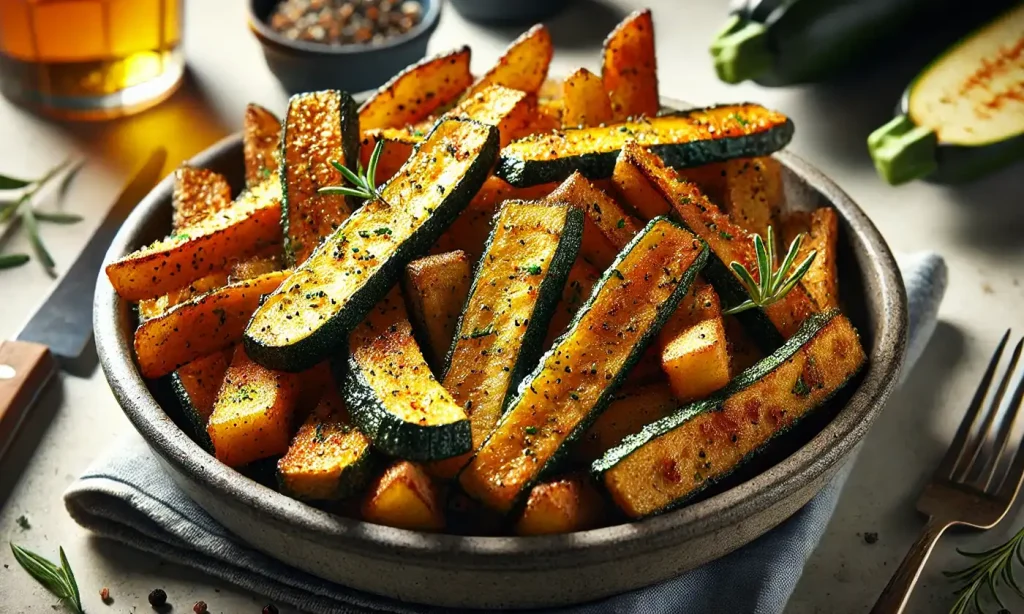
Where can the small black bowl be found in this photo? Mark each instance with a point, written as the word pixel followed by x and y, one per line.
pixel 302 66
pixel 508 12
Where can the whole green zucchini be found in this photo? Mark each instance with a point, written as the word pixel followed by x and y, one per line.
pixel 785 42
pixel 963 115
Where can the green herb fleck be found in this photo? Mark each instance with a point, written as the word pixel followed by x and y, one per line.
pixel 621 223
pixel 318 433
pixel 184 236
pixel 725 235
pixel 245 392
pixel 482 332
pixel 417 132
pixel 739 119
pixel 531 430
pixel 265 171
pixel 532 269
pixel 383 230
pixel 800 388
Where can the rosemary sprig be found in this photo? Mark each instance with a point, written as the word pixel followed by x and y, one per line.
pixel 362 183
pixel 991 568
pixel 58 580
pixel 770 287
pixel 30 218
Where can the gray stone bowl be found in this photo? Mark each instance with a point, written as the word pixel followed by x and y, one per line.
pixel 523 572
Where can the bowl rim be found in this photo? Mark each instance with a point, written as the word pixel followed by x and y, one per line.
pixel 784 479
pixel 267 35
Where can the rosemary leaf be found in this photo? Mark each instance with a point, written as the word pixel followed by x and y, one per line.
pixel 13 183
pixel 70 577
pixel 770 287
pixel 58 580
pixel 58 217
pixel 28 218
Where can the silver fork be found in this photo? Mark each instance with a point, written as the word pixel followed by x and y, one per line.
pixel 970 487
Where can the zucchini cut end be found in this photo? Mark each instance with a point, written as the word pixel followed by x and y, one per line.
pixel 740 50
pixel 903 151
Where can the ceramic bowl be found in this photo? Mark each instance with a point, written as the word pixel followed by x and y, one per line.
pixel 303 66
pixel 493 572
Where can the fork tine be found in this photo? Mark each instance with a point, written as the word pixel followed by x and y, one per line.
pixel 956 447
pixel 985 432
pixel 1008 422
pixel 1011 481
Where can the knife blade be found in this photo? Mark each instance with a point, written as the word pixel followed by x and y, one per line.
pixel 59 331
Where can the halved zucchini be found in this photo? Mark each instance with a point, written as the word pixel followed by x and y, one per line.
pixel 629 70
pixel 607 222
pixel 320 127
pixel 676 457
pixel 404 497
pixel 198 192
pixel 822 227
pixel 328 458
pixel 329 294
pixel 632 408
pixel 196 385
pixel 252 417
pixel 576 379
pixel 561 506
pixel 436 288
pixel 261 144
pixel 415 93
pixel 584 101
pixel 391 394
pixel 523 66
pixel 201 326
pixel 729 243
pixel 688 138
pixel 501 331
pixel 247 226
pixel 578 286
pixel 470 230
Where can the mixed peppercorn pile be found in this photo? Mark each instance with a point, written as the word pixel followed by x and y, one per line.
pixel 345 22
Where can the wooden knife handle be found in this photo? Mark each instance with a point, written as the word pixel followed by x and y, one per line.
pixel 24 370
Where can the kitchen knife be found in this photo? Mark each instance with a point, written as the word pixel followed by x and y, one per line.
pixel 61 328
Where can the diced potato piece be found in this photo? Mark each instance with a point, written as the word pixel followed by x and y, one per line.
pixel 585 100
pixel 635 190
pixel 633 408
pixel 436 288
pixel 415 93
pixel 549 116
pixel 198 192
pixel 252 418
pixel 404 497
pixel 523 66
pixel 511 111
pixel 697 361
pixel 630 72
pixel 562 506
pixel 822 228
pixel 700 303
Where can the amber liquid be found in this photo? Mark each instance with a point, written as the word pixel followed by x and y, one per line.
pixel 90 59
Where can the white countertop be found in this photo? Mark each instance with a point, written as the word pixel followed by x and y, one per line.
pixel 978 229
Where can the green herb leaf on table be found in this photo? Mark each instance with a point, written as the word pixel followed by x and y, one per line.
pixel 362 183
pixel 770 287
pixel 22 207
pixel 990 569
pixel 10 261
pixel 58 580
pixel 13 183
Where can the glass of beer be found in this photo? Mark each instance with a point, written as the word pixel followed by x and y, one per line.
pixel 90 59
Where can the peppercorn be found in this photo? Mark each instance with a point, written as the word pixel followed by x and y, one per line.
pixel 270 609
pixel 345 22
pixel 158 598
pixel 200 607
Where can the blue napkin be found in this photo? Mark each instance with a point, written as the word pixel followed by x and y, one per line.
pixel 125 496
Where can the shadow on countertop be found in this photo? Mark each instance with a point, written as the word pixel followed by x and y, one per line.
pixel 582 24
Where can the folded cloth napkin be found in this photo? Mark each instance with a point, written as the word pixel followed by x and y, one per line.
pixel 125 496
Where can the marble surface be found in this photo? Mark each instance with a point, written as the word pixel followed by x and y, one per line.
pixel 978 228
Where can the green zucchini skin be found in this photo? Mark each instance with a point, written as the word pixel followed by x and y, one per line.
pixel 348 122
pixel 811 327
pixel 665 311
pixel 390 434
pixel 522 172
pixel 195 421
pixel 548 295
pixel 321 343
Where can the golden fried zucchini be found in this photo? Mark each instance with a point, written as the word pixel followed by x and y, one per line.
pixel 753 193
pixel 415 93
pixel 436 287
pixel 578 286
pixel 822 228
pixel 632 408
pixel 629 70
pixel 605 214
pixel 201 326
